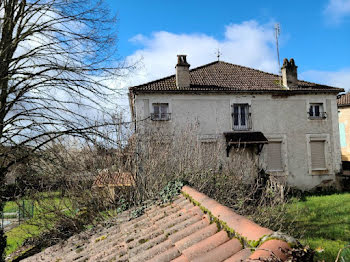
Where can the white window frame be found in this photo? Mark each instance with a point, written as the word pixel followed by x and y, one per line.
pixel 166 117
pixel 320 101
pixel 282 138
pixel 321 112
pixel 247 125
pixel 318 137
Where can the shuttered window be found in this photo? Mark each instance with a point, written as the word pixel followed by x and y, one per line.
pixel 274 156
pixel 318 159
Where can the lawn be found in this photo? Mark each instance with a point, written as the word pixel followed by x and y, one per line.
pixel 322 222
pixel 34 226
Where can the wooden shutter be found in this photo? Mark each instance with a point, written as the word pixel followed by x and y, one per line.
pixel 318 159
pixel 274 156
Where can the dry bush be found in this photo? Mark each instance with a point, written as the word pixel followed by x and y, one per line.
pixel 237 181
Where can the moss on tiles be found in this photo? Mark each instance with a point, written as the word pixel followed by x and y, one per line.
pixel 142 241
pixel 231 232
pixel 100 239
pixel 79 250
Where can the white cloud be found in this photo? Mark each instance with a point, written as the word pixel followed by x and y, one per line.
pixel 336 10
pixel 249 44
pixel 337 78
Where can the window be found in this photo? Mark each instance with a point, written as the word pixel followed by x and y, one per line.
pixel 241 117
pixel 316 111
pixel 274 156
pixel 160 111
pixel 318 158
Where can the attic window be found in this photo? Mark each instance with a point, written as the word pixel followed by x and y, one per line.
pixel 316 111
pixel 160 112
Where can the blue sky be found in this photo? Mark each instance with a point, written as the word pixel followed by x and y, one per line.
pixel 315 33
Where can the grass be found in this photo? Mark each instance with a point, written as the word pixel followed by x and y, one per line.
pixel 17 236
pixel 323 223
pixel 34 226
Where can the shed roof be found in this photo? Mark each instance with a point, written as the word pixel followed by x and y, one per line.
pixel 224 77
pixel 108 178
pixel 178 231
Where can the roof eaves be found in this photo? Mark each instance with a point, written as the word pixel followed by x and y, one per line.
pixel 344 105
pixel 230 91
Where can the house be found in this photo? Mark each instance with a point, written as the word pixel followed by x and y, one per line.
pixel 177 231
pixel 291 125
pixel 344 125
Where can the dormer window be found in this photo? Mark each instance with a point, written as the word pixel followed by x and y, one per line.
pixel 316 111
pixel 160 112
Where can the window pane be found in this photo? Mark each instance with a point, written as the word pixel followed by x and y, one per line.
pixel 235 115
pixel 156 109
pixel 317 110
pixel 164 109
pixel 311 111
pixel 243 115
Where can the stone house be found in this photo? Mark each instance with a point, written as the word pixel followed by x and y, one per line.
pixel 291 125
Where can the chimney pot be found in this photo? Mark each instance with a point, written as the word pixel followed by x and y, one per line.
pixel 289 73
pixel 182 72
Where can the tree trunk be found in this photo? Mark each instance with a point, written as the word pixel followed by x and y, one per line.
pixel 2 203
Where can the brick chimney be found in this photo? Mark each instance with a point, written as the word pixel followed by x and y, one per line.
pixel 289 73
pixel 182 72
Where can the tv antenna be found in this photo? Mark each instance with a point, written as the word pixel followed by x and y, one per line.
pixel 218 53
pixel 277 34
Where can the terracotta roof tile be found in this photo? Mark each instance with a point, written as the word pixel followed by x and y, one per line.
pixel 178 231
pixel 206 245
pixel 243 226
pixel 196 237
pixel 240 256
pixel 344 100
pixel 221 252
pixel 271 248
pixel 181 258
pixel 106 178
pixel 220 76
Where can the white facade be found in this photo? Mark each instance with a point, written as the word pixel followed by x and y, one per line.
pixel 283 119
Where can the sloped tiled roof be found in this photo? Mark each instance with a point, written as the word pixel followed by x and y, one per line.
pixel 107 178
pixel 220 76
pixel 192 228
pixel 344 100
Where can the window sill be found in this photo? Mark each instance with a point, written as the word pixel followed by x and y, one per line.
pixel 241 129
pixel 320 172
pixel 317 118
pixel 160 120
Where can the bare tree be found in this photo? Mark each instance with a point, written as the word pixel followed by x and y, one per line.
pixel 56 58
